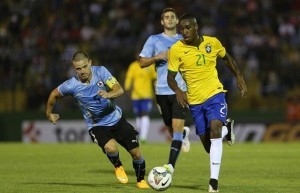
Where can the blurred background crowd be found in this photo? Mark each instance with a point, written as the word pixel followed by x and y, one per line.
pixel 38 38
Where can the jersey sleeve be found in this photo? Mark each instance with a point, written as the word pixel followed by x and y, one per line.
pixel 107 78
pixel 173 60
pixel 65 88
pixel 221 49
pixel 148 49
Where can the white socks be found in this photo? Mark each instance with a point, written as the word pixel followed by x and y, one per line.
pixel 138 123
pixel 216 150
pixel 144 125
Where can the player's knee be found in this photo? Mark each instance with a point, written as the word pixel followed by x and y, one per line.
pixel 135 153
pixel 177 127
pixel 215 133
pixel 110 148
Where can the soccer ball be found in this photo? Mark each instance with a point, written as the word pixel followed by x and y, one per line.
pixel 159 178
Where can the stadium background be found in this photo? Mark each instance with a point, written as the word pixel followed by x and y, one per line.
pixel 37 39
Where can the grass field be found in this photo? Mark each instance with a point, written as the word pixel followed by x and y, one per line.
pixel 82 168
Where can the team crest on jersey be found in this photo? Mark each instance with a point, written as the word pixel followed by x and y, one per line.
pixel 208 48
pixel 100 84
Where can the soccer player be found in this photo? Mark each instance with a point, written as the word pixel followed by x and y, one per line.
pixel 155 51
pixel 139 81
pixel 94 89
pixel 195 57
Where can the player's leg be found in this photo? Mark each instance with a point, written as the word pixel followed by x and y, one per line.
pixel 144 110
pixel 112 153
pixel 165 110
pixel 136 111
pixel 176 144
pixel 178 120
pixel 139 166
pixel 216 111
pixel 201 125
pixel 215 155
pixel 126 136
pixel 164 106
pixel 138 123
pixel 104 138
pixel 205 139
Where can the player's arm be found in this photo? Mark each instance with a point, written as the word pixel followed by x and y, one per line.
pixel 53 97
pixel 231 64
pixel 180 95
pixel 144 61
pixel 116 89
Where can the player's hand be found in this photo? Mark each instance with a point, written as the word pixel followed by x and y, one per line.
pixel 53 118
pixel 182 98
pixel 104 94
pixel 162 56
pixel 242 86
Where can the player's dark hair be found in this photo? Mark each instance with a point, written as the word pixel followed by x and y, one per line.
pixel 168 9
pixel 80 55
pixel 187 16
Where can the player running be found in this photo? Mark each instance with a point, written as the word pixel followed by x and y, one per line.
pixel 94 89
pixel 195 57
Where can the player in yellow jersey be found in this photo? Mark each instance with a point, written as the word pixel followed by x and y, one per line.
pixel 195 58
pixel 140 82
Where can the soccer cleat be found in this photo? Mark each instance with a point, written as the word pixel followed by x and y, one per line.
pixel 142 184
pixel 121 175
pixel 210 189
pixel 169 167
pixel 230 135
pixel 213 185
pixel 186 143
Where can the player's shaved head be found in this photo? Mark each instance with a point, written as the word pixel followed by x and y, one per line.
pixel 80 55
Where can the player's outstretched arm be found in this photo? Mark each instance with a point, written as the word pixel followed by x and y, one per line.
pixel 54 95
pixel 231 64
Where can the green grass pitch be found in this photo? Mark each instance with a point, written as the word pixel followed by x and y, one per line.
pixel 83 168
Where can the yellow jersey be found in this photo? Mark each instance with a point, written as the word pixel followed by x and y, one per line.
pixel 140 80
pixel 197 65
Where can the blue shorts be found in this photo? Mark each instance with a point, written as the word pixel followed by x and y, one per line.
pixel 212 109
pixel 142 106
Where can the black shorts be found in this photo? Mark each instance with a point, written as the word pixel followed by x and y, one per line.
pixel 123 132
pixel 170 109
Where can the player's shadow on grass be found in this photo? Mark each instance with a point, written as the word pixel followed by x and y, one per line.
pixel 191 187
pixel 109 185
pixel 111 171
pixel 102 185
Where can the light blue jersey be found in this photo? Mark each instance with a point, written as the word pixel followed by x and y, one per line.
pixel 97 111
pixel 154 45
